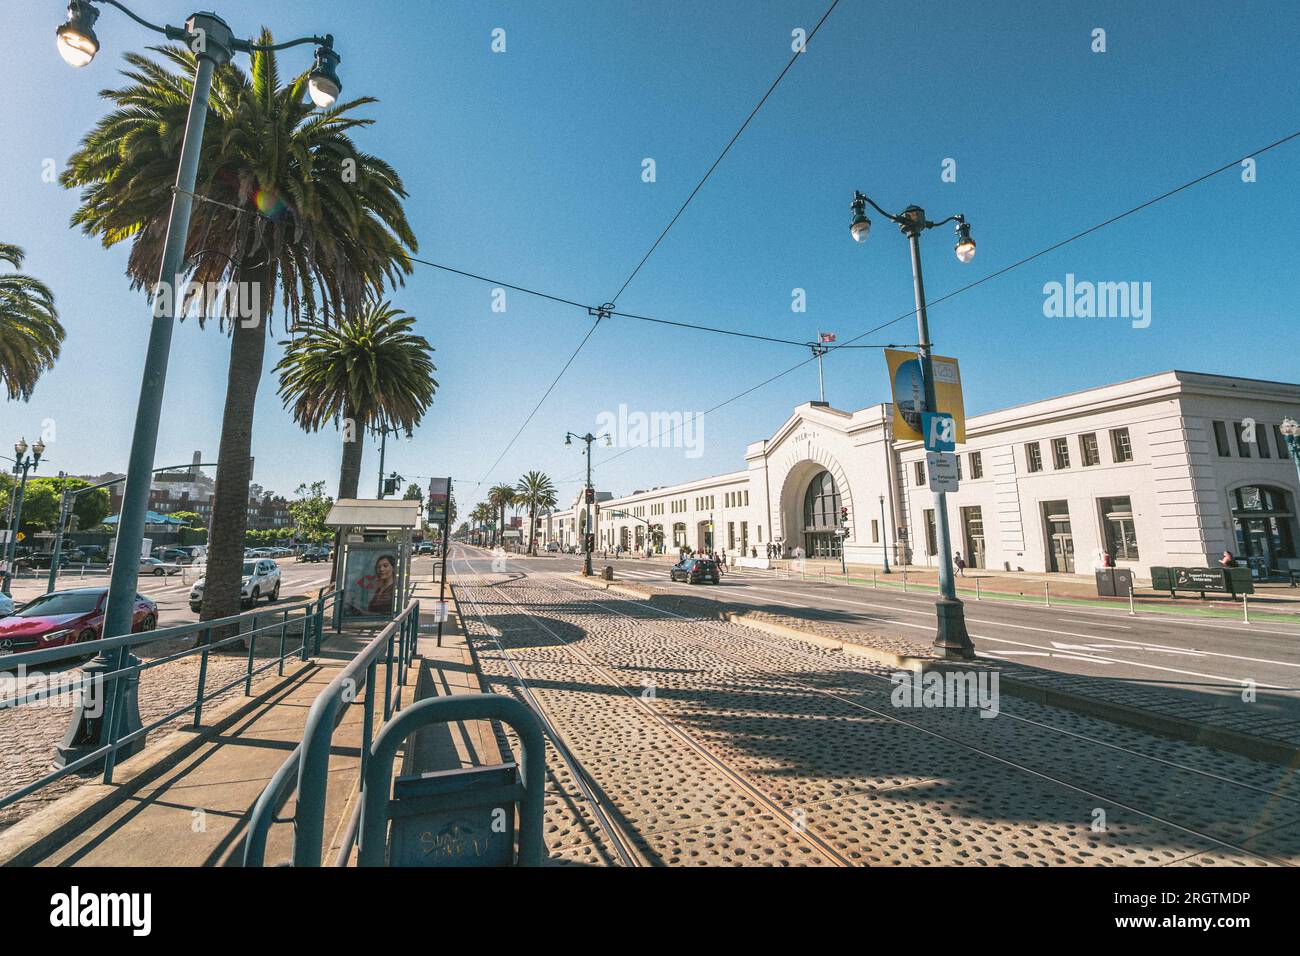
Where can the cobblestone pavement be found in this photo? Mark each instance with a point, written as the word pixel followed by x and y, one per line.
pixel 1222 712
pixel 707 743
pixel 30 734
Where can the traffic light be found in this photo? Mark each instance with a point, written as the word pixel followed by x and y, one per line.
pixel 591 495
pixel 591 542
pixel 844 516
pixel 390 486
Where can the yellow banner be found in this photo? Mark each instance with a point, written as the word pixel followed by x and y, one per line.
pixel 909 393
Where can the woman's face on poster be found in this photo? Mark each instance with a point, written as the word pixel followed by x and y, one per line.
pixel 385 569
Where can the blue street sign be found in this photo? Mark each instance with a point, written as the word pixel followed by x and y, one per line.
pixel 939 431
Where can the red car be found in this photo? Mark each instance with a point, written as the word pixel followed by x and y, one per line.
pixel 63 618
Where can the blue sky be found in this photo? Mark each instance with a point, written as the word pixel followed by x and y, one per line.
pixel 526 166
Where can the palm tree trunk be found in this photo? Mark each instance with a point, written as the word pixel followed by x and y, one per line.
pixel 350 469
pixel 221 596
pixel 532 531
pixel 349 472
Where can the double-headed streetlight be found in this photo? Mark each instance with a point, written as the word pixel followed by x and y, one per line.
pixel 951 639
pixel 23 463
pixel 1290 429
pixel 213 44
pixel 588 497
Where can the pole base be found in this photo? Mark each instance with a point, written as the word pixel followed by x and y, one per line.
pixel 951 640
pixel 86 732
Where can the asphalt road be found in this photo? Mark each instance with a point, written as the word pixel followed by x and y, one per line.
pixel 1187 655
pixel 299 580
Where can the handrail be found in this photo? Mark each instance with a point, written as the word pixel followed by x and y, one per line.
pixel 126 667
pixel 306 770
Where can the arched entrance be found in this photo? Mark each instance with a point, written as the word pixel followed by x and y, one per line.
pixel 1263 519
pixel 821 517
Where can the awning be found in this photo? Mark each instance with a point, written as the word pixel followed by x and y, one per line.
pixel 150 517
pixel 374 513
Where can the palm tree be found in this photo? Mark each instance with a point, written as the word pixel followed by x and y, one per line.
pixel 500 497
pixel 482 514
pixel 288 209
pixel 30 333
pixel 371 371
pixel 535 492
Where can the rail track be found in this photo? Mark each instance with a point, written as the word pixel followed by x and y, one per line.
pixel 855 699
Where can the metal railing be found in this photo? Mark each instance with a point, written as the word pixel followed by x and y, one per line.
pixel 126 668
pixel 306 771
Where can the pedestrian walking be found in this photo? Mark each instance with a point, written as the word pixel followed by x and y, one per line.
pixel 960 564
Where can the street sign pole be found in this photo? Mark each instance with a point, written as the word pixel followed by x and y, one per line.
pixel 951 639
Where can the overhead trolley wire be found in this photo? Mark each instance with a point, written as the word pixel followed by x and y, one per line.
pixel 978 282
pixel 607 309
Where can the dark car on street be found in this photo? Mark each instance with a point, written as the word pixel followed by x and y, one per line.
pixel 695 571
pixel 64 618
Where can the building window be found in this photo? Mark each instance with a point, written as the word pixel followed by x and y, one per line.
pixel 957 458
pixel 1060 453
pixel 918 472
pixel 1261 439
pixel 1121 448
pixel 931 536
pixel 1280 442
pixel 1221 440
pixel 1243 446
pixel 1033 456
pixel 1121 534
pixel 976 466
pixel 875 531
pixel 1089 453
pixel 821 503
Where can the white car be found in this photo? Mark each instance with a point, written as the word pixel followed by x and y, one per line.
pixel 261 580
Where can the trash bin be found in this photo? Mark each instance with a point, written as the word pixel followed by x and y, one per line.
pixel 1106 582
pixel 608 573
pixel 1123 581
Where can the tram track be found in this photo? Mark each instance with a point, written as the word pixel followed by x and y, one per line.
pixel 678 732
pixel 999 759
pixel 846 698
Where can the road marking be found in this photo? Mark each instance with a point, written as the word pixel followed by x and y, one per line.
pixel 1070 620
pixel 1145 645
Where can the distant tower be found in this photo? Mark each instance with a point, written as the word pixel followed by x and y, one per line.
pixel 194 468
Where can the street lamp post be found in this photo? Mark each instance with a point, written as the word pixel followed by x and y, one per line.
pixel 884 540
pixel 213 43
pixel 23 463
pixel 588 496
pixel 951 639
pixel 1291 432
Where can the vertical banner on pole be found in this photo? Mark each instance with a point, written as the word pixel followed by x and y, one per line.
pixel 908 389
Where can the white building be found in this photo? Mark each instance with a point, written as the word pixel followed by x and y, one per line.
pixel 1170 469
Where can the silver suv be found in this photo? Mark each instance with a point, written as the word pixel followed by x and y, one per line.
pixel 261 580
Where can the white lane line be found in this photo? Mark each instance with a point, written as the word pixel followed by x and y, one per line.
pixel 1145 645
pixel 1070 620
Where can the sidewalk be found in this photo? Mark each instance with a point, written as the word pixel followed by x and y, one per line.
pixel 186 801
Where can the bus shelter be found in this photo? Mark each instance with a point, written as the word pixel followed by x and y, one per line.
pixel 374 560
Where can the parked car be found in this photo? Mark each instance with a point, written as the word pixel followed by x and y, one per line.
pixel 694 571
pixel 553 546
pixel 174 555
pixel 65 618
pixel 261 579
pixel 94 553
pixel 45 559
pixel 158 568
pixel 426 547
